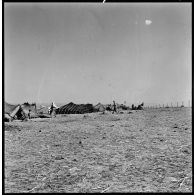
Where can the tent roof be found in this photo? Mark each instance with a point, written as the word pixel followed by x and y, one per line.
pixel 9 108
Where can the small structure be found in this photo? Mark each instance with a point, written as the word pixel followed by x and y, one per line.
pixel 100 107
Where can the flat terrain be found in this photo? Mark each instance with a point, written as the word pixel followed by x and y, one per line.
pixel 140 151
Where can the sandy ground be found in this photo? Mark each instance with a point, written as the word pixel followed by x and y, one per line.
pixel 141 151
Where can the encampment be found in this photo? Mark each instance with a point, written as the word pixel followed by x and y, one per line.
pixel 21 111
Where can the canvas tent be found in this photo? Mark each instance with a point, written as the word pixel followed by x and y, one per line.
pixel 43 109
pixel 72 108
pixel 100 107
pixel 13 112
pixel 26 107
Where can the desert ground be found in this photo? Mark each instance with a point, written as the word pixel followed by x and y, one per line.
pixel 135 151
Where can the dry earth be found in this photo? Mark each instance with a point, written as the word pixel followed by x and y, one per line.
pixel 141 151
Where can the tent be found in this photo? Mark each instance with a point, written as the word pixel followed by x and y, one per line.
pixel 32 107
pixel 100 107
pixel 43 110
pixel 72 108
pixel 13 112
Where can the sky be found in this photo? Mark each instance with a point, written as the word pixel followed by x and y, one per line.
pixel 90 53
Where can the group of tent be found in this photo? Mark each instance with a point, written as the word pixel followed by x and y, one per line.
pixel 21 111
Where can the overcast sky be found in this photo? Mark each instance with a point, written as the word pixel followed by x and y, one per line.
pixel 90 53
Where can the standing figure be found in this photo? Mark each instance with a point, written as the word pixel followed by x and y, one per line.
pixel 52 110
pixel 29 114
pixel 114 107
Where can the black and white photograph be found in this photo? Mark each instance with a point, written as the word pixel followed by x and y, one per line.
pixel 98 97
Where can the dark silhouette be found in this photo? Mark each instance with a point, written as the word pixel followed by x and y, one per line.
pixel 53 110
pixel 29 114
pixel 140 107
pixel 108 108
pixel 133 107
pixel 114 107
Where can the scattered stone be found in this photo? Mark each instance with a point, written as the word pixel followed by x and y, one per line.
pixel 170 179
pixel 185 150
pixel 147 189
pixel 163 147
pixel 59 157
pixel 73 171
pixel 186 128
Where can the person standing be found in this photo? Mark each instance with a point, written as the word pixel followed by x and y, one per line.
pixel 114 107
pixel 29 114
pixel 52 110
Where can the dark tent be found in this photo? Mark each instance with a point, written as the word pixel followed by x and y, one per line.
pixel 72 108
